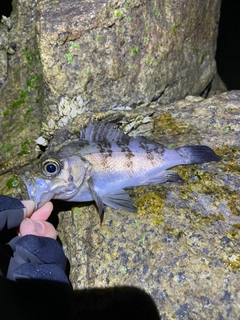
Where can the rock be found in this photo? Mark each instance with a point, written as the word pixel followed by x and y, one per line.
pixel 182 245
pixel 126 53
pixel 98 56
pixel 3 53
pixel 21 88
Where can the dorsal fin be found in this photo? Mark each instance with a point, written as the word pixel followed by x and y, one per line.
pixel 103 131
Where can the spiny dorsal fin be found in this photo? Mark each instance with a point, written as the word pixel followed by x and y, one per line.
pixel 103 131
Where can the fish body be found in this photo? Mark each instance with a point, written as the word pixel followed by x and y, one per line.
pixel 104 161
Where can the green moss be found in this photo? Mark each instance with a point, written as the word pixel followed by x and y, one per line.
pixel 25 147
pixel 226 130
pixel 136 224
pixel 234 232
pixel 28 112
pixel 69 57
pixel 148 60
pixel 98 37
pixel 32 83
pixel 175 27
pixel 86 71
pixel 118 14
pixel 197 180
pixel 203 56
pixel 134 51
pixel 233 261
pixel 123 270
pixel 150 202
pixel 166 124
pixel 74 45
pixel 198 220
pixel 12 183
pixel 6 146
pixel 142 240
pixel 229 157
pixel 31 56
pixel 76 211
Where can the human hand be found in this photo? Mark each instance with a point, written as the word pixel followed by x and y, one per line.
pixel 33 282
pixel 35 222
pixel 35 252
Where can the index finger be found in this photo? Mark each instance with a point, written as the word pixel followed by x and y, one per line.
pixel 28 208
pixel 44 212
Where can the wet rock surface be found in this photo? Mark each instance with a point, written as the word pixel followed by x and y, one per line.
pixel 182 246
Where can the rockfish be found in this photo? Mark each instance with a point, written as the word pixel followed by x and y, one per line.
pixel 102 163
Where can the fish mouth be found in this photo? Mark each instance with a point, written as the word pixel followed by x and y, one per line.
pixel 24 191
pixel 40 197
pixel 41 191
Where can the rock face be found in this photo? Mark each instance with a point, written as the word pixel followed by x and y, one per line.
pixel 62 60
pixel 114 53
pixel 182 246
pixel 21 88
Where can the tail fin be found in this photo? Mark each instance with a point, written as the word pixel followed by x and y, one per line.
pixel 197 154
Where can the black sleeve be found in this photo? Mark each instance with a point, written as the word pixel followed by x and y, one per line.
pixel 11 212
pixel 39 258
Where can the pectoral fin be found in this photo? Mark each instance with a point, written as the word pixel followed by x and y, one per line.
pixel 119 200
pixel 96 198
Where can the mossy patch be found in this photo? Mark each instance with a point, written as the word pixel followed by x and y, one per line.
pixel 166 124
pixel 12 182
pixel 25 147
pixel 233 261
pixel 150 201
pixel 229 162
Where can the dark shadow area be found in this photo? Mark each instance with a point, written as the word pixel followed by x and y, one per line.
pixel 38 299
pixel 34 299
pixel 5 8
pixel 116 303
pixel 60 205
pixel 228 45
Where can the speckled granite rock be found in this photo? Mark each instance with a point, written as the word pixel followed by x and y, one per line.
pixel 21 88
pixel 182 246
pixel 115 53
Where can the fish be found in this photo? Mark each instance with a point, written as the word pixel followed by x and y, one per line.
pixel 102 163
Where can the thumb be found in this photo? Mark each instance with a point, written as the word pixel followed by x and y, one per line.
pixel 38 228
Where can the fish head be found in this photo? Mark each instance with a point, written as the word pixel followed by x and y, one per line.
pixel 54 178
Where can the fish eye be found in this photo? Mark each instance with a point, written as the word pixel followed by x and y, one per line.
pixel 51 167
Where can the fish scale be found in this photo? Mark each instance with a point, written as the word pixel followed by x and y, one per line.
pixel 102 163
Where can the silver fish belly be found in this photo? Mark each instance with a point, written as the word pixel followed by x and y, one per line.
pixel 102 163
